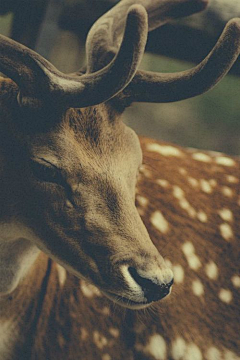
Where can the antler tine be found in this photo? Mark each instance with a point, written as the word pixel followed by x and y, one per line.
pixel 41 83
pixel 154 87
pixel 105 35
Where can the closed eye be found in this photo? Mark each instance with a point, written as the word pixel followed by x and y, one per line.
pixel 45 171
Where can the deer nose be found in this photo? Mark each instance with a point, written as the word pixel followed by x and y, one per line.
pixel 153 291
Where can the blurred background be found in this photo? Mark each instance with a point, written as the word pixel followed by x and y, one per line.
pixel 57 29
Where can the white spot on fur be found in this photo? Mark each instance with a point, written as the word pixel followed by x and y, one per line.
pixel 184 204
pixel 157 347
pixel 193 353
pixel 99 340
pixel 213 354
pixel 192 259
pixel 188 248
pixel 192 212
pixel 226 214
pixel 178 348
pixel 202 216
pixel 229 355
pixel 205 186
pixel 197 288
pixel 178 193
pixel 159 222
pixel 162 182
pixel 182 171
pixel 62 274
pixel 178 274
pixel 226 231
pixel 223 160
pixel 194 262
pixel 89 290
pixel 145 171
pixel 232 179
pixel 114 332
pixel 193 182
pixel 142 200
pixel 236 281
pixel 183 351
pixel 227 191
pixel 106 357
pixel 225 295
pixel 164 150
pixel 201 157
pixel 211 270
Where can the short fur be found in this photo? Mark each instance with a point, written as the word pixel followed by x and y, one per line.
pixel 95 222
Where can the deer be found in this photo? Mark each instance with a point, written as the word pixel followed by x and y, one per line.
pixel 114 246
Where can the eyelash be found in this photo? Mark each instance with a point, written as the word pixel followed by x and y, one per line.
pixel 51 174
pixel 47 173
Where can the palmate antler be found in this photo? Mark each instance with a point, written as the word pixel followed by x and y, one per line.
pixel 41 84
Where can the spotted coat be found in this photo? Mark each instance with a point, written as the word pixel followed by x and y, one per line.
pixel 189 202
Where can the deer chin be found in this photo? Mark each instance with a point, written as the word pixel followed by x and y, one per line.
pixel 125 302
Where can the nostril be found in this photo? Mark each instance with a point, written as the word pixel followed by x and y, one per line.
pixel 152 291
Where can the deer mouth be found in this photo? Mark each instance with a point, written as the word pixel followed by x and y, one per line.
pixel 125 302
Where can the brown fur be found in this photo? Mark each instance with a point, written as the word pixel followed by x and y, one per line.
pixel 68 186
pixel 63 323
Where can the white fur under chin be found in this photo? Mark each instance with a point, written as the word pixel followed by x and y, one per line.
pixel 17 254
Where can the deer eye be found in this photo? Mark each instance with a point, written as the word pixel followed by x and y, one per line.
pixel 47 173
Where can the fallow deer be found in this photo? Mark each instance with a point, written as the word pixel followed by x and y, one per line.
pixel 83 267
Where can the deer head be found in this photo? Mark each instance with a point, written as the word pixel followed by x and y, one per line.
pixel 69 165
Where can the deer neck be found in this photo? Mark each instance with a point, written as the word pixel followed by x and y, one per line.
pixel 21 309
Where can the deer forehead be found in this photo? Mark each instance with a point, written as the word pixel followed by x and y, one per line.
pixel 88 142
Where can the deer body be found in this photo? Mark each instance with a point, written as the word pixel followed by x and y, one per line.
pixel 91 239
pixel 69 319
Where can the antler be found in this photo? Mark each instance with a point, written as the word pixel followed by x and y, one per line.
pixel 154 87
pixel 103 41
pixel 105 35
pixel 41 83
